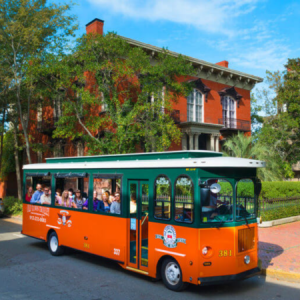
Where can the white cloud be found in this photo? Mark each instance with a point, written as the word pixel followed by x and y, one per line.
pixel 271 55
pixel 216 16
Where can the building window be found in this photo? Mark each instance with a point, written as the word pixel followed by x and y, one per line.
pixel 57 111
pixel 195 106
pixel 228 105
pixel 80 149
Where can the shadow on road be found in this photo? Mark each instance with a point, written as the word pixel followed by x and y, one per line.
pixel 267 252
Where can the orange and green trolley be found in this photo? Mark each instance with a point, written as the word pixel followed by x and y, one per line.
pixel 183 216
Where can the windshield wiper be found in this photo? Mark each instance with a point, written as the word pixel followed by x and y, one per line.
pixel 220 223
pixel 246 220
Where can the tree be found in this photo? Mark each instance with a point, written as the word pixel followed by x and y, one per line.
pixel 29 29
pixel 135 95
pixel 246 147
pixel 281 105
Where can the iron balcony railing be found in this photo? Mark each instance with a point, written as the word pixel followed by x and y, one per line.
pixel 235 124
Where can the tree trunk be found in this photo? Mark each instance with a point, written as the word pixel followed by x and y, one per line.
pixel 18 173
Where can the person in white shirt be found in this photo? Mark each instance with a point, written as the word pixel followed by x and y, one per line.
pixel 46 197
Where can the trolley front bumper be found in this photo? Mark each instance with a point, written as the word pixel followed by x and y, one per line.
pixel 229 278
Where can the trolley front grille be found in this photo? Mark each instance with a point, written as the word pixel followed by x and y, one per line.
pixel 246 239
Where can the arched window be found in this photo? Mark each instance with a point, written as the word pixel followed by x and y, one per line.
pixel 195 106
pixel 184 200
pixel 228 105
pixel 162 198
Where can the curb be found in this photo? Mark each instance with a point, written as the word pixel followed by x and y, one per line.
pixel 281 275
pixel 267 224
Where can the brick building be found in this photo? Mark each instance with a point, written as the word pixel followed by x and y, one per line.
pixel 218 107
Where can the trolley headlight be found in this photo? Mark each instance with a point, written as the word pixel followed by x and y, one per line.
pixel 204 250
pixel 247 259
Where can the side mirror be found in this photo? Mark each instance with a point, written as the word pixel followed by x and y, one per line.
pixel 258 187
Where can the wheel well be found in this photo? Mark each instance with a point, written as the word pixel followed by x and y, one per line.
pixel 49 232
pixel 159 265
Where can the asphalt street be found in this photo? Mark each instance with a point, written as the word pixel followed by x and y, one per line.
pixel 28 271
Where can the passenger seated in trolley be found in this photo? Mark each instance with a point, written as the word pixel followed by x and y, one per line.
pixel 132 203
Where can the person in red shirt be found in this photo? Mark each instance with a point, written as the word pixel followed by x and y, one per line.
pixel 29 194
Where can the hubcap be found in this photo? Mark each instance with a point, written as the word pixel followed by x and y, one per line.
pixel 172 273
pixel 54 244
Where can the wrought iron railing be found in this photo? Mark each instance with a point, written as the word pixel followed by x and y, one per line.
pixel 235 124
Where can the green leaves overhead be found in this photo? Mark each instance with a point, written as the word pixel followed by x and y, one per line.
pixel 117 98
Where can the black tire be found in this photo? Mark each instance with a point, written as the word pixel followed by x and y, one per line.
pixel 172 276
pixel 53 245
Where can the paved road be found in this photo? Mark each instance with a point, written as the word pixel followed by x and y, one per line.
pixel 28 271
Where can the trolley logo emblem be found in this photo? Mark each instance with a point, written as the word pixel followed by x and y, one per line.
pixel 64 218
pixel 169 237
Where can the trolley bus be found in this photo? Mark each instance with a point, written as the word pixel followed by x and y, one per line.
pixel 184 216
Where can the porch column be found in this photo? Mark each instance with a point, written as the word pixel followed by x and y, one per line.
pixel 197 141
pixel 212 142
pixel 191 138
pixel 217 143
pixel 184 141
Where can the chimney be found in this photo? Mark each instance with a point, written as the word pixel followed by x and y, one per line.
pixel 95 26
pixel 223 63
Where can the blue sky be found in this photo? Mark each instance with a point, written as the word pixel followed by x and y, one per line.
pixel 253 35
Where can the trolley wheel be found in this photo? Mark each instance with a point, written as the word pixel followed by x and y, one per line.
pixel 53 245
pixel 172 276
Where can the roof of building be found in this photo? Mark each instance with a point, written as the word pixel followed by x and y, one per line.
pixel 208 70
pixel 205 162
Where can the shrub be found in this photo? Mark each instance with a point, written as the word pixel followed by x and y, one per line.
pixel 281 212
pixel 280 189
pixel 12 206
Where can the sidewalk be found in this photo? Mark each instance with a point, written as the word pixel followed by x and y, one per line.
pixel 279 251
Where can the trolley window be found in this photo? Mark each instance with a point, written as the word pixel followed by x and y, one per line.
pixel 71 190
pixel 245 201
pixel 107 194
pixel 162 198
pixel 38 188
pixel 184 200
pixel 217 201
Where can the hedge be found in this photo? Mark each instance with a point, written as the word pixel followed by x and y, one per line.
pixel 280 212
pixel 12 206
pixel 280 189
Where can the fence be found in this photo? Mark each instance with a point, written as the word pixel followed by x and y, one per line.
pixel 273 203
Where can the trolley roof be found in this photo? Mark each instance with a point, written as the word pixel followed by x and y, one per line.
pixel 137 156
pixel 190 162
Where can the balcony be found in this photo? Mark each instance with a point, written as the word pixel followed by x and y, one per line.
pixel 235 124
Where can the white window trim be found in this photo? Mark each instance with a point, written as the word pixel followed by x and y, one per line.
pixel 194 106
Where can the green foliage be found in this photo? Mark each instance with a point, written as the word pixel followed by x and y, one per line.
pixel 280 130
pixel 247 147
pixel 29 31
pixel 12 206
pixel 130 89
pixel 226 188
pixel 8 159
pixel 281 212
pixel 280 189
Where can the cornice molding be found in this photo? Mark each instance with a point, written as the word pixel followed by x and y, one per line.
pixel 206 70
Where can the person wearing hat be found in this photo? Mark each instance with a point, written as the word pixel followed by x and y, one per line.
pixel 80 202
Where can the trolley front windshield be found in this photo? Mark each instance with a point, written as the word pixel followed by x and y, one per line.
pixel 221 203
